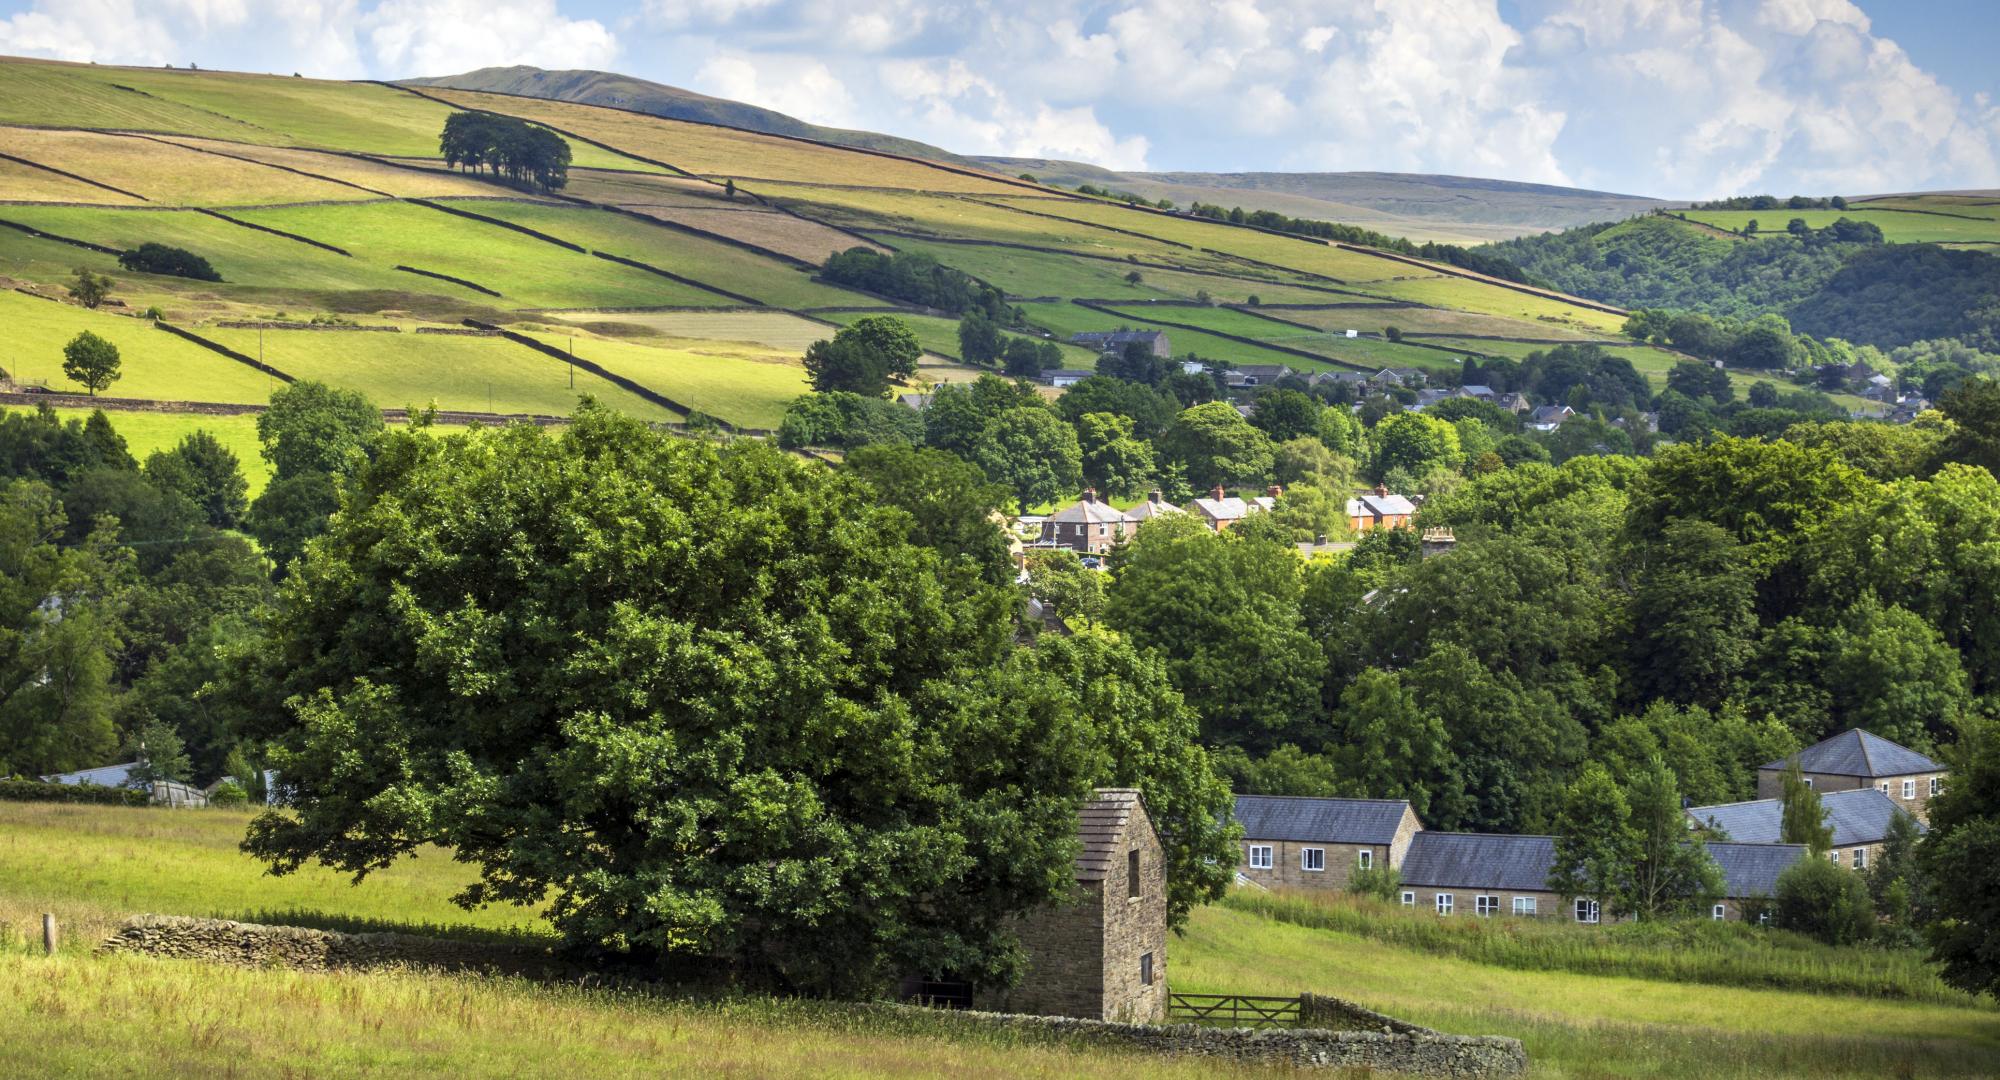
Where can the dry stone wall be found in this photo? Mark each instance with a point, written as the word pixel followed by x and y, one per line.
pixel 221 941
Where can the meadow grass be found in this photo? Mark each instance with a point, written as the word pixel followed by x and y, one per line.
pixel 146 432
pixel 1464 294
pixel 1041 273
pixel 153 364
pixel 720 152
pixel 1433 321
pixel 1896 228
pixel 1066 319
pixel 167 175
pixel 525 271
pixel 50 93
pixel 24 183
pixel 435 181
pixel 467 373
pixel 742 384
pixel 939 214
pixel 774 329
pixel 707 261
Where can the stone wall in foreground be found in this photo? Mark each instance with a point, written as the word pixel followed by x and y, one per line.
pixel 219 941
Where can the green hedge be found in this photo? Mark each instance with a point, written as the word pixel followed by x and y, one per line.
pixel 36 791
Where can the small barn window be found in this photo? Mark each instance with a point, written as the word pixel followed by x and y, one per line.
pixel 1861 858
pixel 1937 784
pixel 1884 785
pixel 1486 905
pixel 1409 899
pixel 1312 858
pixel 1132 872
pixel 1146 969
pixel 1834 857
pixel 1586 911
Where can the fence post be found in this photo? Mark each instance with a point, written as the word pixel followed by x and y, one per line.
pixel 49 932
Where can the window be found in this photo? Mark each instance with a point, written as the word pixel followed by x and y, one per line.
pixel 1764 918
pixel 1260 856
pixel 1716 912
pixel 1937 784
pixel 1586 911
pixel 1861 858
pixel 1132 873
pixel 1409 899
pixel 1312 858
pixel 1909 789
pixel 1486 905
pixel 1834 857
pixel 1884 785
pixel 1807 779
pixel 1367 858
pixel 1444 903
pixel 1524 905
pixel 1146 969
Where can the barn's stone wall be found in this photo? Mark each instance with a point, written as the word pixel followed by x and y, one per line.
pixel 1064 946
pixel 1135 926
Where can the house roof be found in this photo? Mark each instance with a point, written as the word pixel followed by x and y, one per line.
pixel 1117 337
pixel 1094 511
pixel 1262 371
pixel 1552 412
pixel 1067 373
pixel 102 776
pixel 1860 816
pixel 1478 390
pixel 1379 506
pixel 1225 509
pixel 1480 861
pixel 1148 510
pixel 1101 822
pixel 1311 818
pixel 1752 869
pixel 1859 753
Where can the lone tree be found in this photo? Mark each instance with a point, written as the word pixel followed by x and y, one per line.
pixel 89 289
pixel 863 358
pixel 723 705
pixel 91 361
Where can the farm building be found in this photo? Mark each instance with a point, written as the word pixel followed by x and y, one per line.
pixel 1857 759
pixel 1154 506
pixel 1312 842
pixel 1860 819
pixel 102 776
pixel 1066 377
pixel 1102 955
pixel 1750 875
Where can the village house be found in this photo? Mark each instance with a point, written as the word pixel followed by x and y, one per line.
pixel 1379 510
pixel 1318 843
pixel 1102 955
pixel 915 402
pixel 1859 817
pixel 1858 759
pixel 1410 377
pixel 1112 341
pixel 1090 526
pixel 1220 509
pixel 1487 874
pixel 1153 507
pixel 1512 402
pixel 1749 876
pixel 1248 375
pixel 1549 417
pixel 1064 377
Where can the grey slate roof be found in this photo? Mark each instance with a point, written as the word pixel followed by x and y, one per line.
pixel 1379 505
pixel 1095 511
pixel 1480 861
pixel 1860 816
pixel 1752 869
pixel 1859 753
pixel 1311 819
pixel 1101 823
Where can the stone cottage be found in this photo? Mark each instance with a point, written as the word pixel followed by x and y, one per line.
pixel 1318 843
pixel 1858 759
pixel 1089 526
pixel 1103 954
pixel 1488 874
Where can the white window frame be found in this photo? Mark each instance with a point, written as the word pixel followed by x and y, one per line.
pixel 1265 850
pixel 1444 903
pixel 1308 856
pixel 1718 912
pixel 1409 899
pixel 1486 906
pixel 1884 785
pixel 1807 779
pixel 1937 784
pixel 1860 858
pixel 1588 911
pixel 1909 789
pixel 1764 917
pixel 1525 905
pixel 1365 859
pixel 1833 857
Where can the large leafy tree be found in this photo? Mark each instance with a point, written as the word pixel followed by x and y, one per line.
pixel 954 507
pixel 206 473
pixel 1694 618
pixel 1114 461
pixel 865 357
pixel 311 427
pixel 1388 747
pixel 1215 445
pixel 91 362
pixel 1596 844
pixel 712 699
pixel 1414 443
pixel 1961 857
pixel 1032 453
pixel 1672 873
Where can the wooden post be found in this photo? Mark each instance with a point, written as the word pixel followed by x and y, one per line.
pixel 49 932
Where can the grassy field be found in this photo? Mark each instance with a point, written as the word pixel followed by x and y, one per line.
pixel 1066 319
pixel 80 1009
pixel 1041 273
pixel 774 329
pixel 434 181
pixel 743 384
pixel 468 373
pixel 1897 227
pixel 169 175
pixel 154 364
pixel 27 183
pixel 145 432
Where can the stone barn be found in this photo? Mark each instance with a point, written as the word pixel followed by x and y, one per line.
pixel 1103 954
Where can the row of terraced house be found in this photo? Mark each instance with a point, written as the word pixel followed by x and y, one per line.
pixel 1865 782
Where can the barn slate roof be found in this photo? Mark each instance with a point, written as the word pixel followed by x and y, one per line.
pixel 1480 861
pixel 1312 819
pixel 1101 824
pixel 1860 816
pixel 1752 869
pixel 1859 753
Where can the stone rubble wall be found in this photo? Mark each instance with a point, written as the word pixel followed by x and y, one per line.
pixel 220 941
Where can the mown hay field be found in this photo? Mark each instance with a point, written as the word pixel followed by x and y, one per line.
pixel 1041 273
pixel 154 363
pixel 743 384
pixel 167 174
pixel 430 179
pixel 710 262
pixel 1897 228
pixel 780 232
pixel 726 152
pixel 1436 321
pixel 473 374
pixel 774 329
pixel 25 183
pixel 932 214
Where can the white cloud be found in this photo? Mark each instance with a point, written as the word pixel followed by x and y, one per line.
pixel 797 86
pixel 444 37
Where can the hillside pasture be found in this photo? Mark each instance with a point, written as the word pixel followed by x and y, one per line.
pixel 153 363
pixel 430 180
pixel 719 152
pixel 805 240
pixel 1478 297
pixel 1066 319
pixel 25 183
pixel 527 272
pixel 930 214
pixel 744 384
pixel 1041 273
pixel 1898 224
pixel 50 93
pixel 1436 321
pixel 710 262
pixel 772 329
pixel 473 374
pixel 166 174
pixel 145 432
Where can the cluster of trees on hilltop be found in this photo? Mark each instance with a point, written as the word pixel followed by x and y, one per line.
pixel 1772 202
pixel 1478 260
pixel 526 155
pixel 918 279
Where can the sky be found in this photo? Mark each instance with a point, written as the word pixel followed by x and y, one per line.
pixel 1671 98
